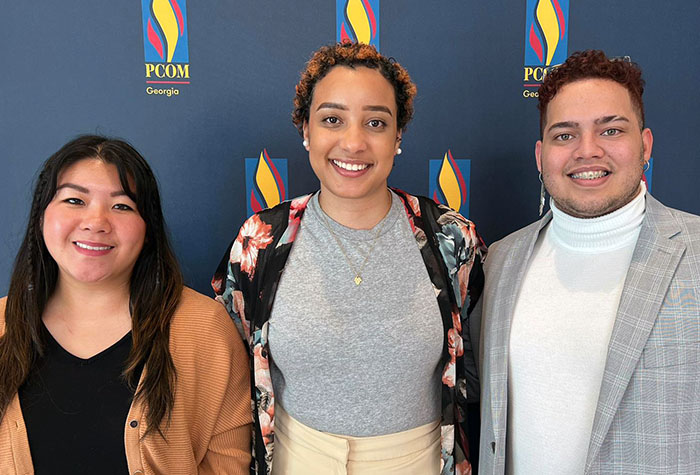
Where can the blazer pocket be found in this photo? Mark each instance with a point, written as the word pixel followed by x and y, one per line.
pixel 658 356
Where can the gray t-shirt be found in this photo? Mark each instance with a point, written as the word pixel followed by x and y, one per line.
pixel 356 360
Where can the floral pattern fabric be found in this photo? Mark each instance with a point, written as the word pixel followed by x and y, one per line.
pixel 247 278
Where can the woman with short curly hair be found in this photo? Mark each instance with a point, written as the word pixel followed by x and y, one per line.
pixel 354 300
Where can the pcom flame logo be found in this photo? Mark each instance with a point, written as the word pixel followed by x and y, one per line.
pixel 165 45
pixel 358 21
pixel 266 182
pixel 165 31
pixel 546 37
pixel 449 180
pixel 551 28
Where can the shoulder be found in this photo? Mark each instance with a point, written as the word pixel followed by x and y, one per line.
pixel 690 225
pixel 280 213
pixel 691 222
pixel 276 213
pixel 501 247
pixel 517 236
pixel 666 219
pixel 205 346
pixel 192 302
pixel 200 324
pixel 421 204
pixel 435 214
pixel 271 224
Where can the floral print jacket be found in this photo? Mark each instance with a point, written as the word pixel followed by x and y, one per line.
pixel 246 282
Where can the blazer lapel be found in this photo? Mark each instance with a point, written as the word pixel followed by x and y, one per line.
pixel 508 281
pixel 653 265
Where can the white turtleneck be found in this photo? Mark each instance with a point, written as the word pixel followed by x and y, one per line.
pixel 563 318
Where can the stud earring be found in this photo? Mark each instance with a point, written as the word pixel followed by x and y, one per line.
pixel 398 151
pixel 541 194
pixel 305 143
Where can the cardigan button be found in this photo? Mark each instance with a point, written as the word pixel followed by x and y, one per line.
pixel 134 424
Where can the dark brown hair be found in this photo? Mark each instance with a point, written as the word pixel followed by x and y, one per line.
pixel 155 286
pixel 352 55
pixel 592 64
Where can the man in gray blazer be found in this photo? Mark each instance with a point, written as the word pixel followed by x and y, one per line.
pixel 590 349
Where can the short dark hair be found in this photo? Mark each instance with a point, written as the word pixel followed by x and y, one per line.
pixel 592 64
pixel 352 55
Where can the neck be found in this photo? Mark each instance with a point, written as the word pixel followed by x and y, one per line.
pixel 601 234
pixel 80 304
pixel 356 213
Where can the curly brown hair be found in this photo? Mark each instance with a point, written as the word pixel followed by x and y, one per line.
pixel 352 55
pixel 592 64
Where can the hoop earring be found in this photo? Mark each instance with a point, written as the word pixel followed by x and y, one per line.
pixel 647 166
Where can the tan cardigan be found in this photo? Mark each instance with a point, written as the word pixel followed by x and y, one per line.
pixel 209 432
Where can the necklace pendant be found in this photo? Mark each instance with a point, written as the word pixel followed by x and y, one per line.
pixel 358 280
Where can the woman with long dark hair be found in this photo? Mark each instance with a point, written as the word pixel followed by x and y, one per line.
pixel 107 362
pixel 355 300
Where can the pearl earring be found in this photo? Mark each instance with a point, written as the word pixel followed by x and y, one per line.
pixel 398 151
pixel 305 143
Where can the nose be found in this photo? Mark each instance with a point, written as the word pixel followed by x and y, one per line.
pixel 589 146
pixel 96 220
pixel 353 140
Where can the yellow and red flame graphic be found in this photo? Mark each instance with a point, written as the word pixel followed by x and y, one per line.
pixel 549 18
pixel 450 183
pixel 361 22
pixel 169 27
pixel 268 189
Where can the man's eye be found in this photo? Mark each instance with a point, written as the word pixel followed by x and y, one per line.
pixel 563 137
pixel 610 132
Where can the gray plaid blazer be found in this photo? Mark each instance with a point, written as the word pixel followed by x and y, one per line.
pixel 648 416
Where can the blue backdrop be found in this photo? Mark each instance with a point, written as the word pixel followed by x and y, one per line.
pixel 81 67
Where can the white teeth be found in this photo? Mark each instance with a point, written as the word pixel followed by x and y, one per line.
pixel 589 175
pixel 92 248
pixel 353 167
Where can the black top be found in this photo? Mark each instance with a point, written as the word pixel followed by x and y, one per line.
pixel 75 410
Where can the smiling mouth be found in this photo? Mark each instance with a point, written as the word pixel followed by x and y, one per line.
pixel 92 248
pixel 352 167
pixel 589 175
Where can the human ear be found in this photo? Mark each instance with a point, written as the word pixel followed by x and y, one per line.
pixel 305 133
pixel 647 142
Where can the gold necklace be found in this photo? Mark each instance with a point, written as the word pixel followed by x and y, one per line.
pixel 357 272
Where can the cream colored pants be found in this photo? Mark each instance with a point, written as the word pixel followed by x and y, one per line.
pixel 301 450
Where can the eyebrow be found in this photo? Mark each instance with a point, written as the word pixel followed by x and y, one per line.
pixel 611 118
pixel 335 105
pixel 82 189
pixel 563 125
pixel 331 105
pixel 377 109
pixel 602 120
